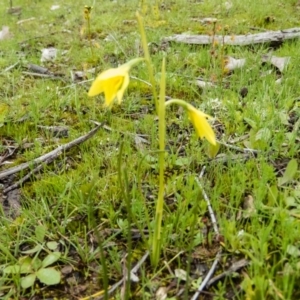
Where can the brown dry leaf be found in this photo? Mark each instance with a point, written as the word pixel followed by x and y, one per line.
pixel 4 33
pixel 205 20
pixel 279 62
pixel 78 76
pixel 231 64
pixel 129 22
pixel 55 7
pixel 248 206
pixel 203 84
pixel 181 274
pixel 161 293
pixel 17 10
pixel 48 54
pixel 25 20
pixel 228 5
pixel 66 270
pixel 140 142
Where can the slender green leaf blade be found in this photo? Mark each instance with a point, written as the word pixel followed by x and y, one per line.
pixel 289 173
pixel 40 232
pixel 33 250
pixel 50 259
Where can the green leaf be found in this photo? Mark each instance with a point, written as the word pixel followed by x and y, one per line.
pixel 50 259
pixel 250 122
pixel 293 251
pixel 213 150
pixel 289 173
pixel 6 252
pixel 182 161
pixel 26 265
pixel 264 134
pixel 14 269
pixel 48 276
pixel 36 263
pixel 28 281
pixel 284 117
pixel 290 201
pixel 37 248
pixel 272 194
pixel 40 232
pixel 52 245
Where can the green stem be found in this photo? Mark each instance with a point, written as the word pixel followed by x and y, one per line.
pixel 134 62
pixel 148 60
pixel 156 245
pixel 176 101
pixel 90 36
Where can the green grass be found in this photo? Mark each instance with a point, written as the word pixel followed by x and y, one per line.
pixel 87 205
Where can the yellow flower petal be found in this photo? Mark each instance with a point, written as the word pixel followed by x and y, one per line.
pixel 111 87
pixel 202 127
pixel 104 79
pixel 125 84
pixel 96 88
pixel 113 82
pixel 110 73
pixel 110 82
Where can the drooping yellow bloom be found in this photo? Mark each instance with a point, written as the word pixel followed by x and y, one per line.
pixel 198 119
pixel 87 12
pixel 113 82
pixel 202 127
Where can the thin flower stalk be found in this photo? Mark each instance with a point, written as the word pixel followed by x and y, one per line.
pixel 148 60
pixel 156 245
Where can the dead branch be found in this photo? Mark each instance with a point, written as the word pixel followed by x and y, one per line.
pixel 217 232
pixel 50 76
pixel 10 67
pixel 51 155
pixel 235 267
pixel 27 176
pixel 243 150
pixel 100 296
pixel 208 276
pixel 274 37
pixel 209 207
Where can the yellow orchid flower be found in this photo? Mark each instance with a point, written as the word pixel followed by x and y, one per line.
pixel 87 12
pixel 202 127
pixel 198 119
pixel 113 82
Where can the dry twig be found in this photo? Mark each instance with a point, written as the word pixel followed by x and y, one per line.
pixel 233 268
pixel 27 176
pixel 237 40
pixel 216 230
pixel 239 149
pixel 208 276
pixel 99 295
pixel 49 156
pixel 210 210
